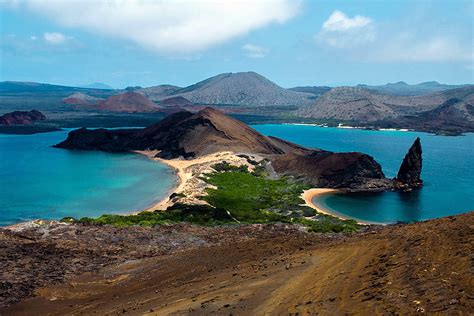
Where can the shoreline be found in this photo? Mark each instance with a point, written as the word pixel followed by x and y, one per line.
pixel 309 195
pixel 185 172
pixel 342 126
pixel 180 181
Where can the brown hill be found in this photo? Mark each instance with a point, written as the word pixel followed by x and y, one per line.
pixel 127 102
pixel 21 117
pixel 180 134
pixel 81 99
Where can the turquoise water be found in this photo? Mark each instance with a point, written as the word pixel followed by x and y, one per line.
pixel 448 171
pixel 38 181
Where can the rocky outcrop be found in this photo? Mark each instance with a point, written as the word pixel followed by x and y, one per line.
pixel 209 131
pixel 409 175
pixel 22 117
pixel 320 168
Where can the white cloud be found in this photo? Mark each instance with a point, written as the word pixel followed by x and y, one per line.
pixel 179 26
pixel 341 31
pixel 361 39
pixel 33 37
pixel 339 21
pixel 55 38
pixel 254 51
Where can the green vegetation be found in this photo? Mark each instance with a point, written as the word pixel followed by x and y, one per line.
pixel 251 198
pixel 239 197
pixel 225 166
pixel 196 214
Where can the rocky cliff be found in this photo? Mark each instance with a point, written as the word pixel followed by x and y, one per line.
pixel 410 170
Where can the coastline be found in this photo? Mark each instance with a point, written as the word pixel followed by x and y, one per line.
pixel 181 180
pixel 342 126
pixel 309 195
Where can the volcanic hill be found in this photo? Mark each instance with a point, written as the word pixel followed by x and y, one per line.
pixel 242 88
pixel 127 102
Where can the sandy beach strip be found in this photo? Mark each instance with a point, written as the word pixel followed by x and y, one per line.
pixel 183 172
pixel 309 195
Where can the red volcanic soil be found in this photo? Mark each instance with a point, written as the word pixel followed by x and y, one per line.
pixel 128 102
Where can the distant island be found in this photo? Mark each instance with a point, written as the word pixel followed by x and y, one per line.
pixel 430 106
pixel 23 122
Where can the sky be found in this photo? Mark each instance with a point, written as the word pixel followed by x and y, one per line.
pixel 291 42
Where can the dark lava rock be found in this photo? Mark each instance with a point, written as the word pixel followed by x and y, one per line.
pixel 410 170
pixel 320 168
pixel 21 117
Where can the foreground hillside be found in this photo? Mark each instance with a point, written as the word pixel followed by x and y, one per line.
pixel 84 269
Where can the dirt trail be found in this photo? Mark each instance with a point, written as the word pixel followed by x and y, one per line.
pixel 423 267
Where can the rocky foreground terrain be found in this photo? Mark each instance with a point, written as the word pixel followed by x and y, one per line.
pixel 57 269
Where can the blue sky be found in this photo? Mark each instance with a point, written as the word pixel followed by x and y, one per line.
pixel 291 42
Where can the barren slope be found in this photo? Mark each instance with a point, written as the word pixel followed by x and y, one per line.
pixel 268 269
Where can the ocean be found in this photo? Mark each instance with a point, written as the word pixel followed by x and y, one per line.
pixel 448 171
pixel 38 181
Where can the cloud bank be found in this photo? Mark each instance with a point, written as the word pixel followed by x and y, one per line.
pixel 361 38
pixel 179 26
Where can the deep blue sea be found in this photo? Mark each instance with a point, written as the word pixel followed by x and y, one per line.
pixel 448 171
pixel 38 181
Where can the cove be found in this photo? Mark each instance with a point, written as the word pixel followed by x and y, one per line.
pixel 447 171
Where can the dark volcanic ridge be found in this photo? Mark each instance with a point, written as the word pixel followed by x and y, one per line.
pixel 209 131
pixel 21 117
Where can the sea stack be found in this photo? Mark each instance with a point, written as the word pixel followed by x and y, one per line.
pixel 409 174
